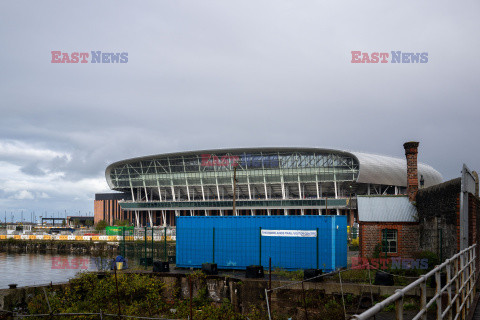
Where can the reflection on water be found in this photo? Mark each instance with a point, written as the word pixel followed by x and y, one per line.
pixel 27 269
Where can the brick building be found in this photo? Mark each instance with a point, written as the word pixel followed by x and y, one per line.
pixel 426 219
pixel 388 225
pixel 106 208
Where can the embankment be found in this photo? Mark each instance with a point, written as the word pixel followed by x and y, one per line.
pixel 59 247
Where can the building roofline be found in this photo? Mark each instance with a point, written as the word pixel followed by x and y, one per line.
pixel 373 168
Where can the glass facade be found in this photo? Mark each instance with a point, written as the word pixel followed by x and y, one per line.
pixel 206 176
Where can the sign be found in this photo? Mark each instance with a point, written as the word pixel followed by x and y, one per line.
pixel 290 233
pixel 210 160
pixel 245 160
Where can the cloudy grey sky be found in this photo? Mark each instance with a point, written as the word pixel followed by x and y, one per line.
pixel 210 74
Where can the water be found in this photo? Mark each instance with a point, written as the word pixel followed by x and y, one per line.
pixel 26 269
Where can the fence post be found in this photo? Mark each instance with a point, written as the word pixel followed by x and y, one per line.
pixel 449 289
pixel 462 272
pixel 153 251
pixel 423 297
pixel 469 260
pixel 145 248
pixel 304 301
pixel 473 276
pixel 457 286
pixel 438 292
pixel 474 252
pixel 399 308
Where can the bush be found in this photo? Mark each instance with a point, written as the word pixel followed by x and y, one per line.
pixel 121 223
pixel 101 225
pixel 433 259
pixel 138 295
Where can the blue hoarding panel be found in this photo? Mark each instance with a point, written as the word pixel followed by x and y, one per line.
pixel 235 242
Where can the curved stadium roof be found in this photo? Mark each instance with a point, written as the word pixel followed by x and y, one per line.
pixel 374 169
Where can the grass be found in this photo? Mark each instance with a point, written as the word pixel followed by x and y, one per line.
pixel 290 275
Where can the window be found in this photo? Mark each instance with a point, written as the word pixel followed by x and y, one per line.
pixel 389 240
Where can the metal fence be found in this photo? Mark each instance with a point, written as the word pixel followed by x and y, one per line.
pixel 311 299
pixel 144 245
pixel 460 284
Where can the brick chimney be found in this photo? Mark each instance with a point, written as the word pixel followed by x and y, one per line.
pixel 411 151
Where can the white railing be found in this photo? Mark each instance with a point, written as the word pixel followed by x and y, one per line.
pixel 460 271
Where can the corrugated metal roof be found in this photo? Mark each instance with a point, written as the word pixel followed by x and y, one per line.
pixel 392 171
pixel 385 209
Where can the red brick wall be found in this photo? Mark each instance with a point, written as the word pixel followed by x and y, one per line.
pixel 407 238
pixel 108 210
pixel 411 151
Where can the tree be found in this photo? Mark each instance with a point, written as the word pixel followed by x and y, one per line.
pixel 101 225
pixel 121 223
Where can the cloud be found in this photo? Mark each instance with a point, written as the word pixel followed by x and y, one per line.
pixel 23 195
pixel 210 74
pixel 33 170
pixel 19 150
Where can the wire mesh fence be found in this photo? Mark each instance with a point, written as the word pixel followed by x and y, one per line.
pixel 344 293
pixel 145 245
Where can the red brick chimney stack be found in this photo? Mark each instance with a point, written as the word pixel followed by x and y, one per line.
pixel 411 151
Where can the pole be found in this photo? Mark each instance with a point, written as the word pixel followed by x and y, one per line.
pixel 123 242
pixel 145 251
pixel 153 252
pixel 116 285
pixel 441 256
pixel 304 302
pixel 269 279
pixel 260 247
pixel 234 189
pixel 165 242
pixel 191 296
pixel 317 249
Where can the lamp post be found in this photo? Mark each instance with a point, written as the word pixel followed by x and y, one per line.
pixel 234 188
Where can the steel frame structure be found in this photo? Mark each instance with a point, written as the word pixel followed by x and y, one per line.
pixel 159 182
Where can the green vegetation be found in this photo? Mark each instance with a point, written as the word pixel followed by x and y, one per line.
pixel 101 225
pixel 121 223
pixel 296 275
pixel 139 295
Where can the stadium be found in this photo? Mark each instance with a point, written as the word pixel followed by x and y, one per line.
pixel 265 181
